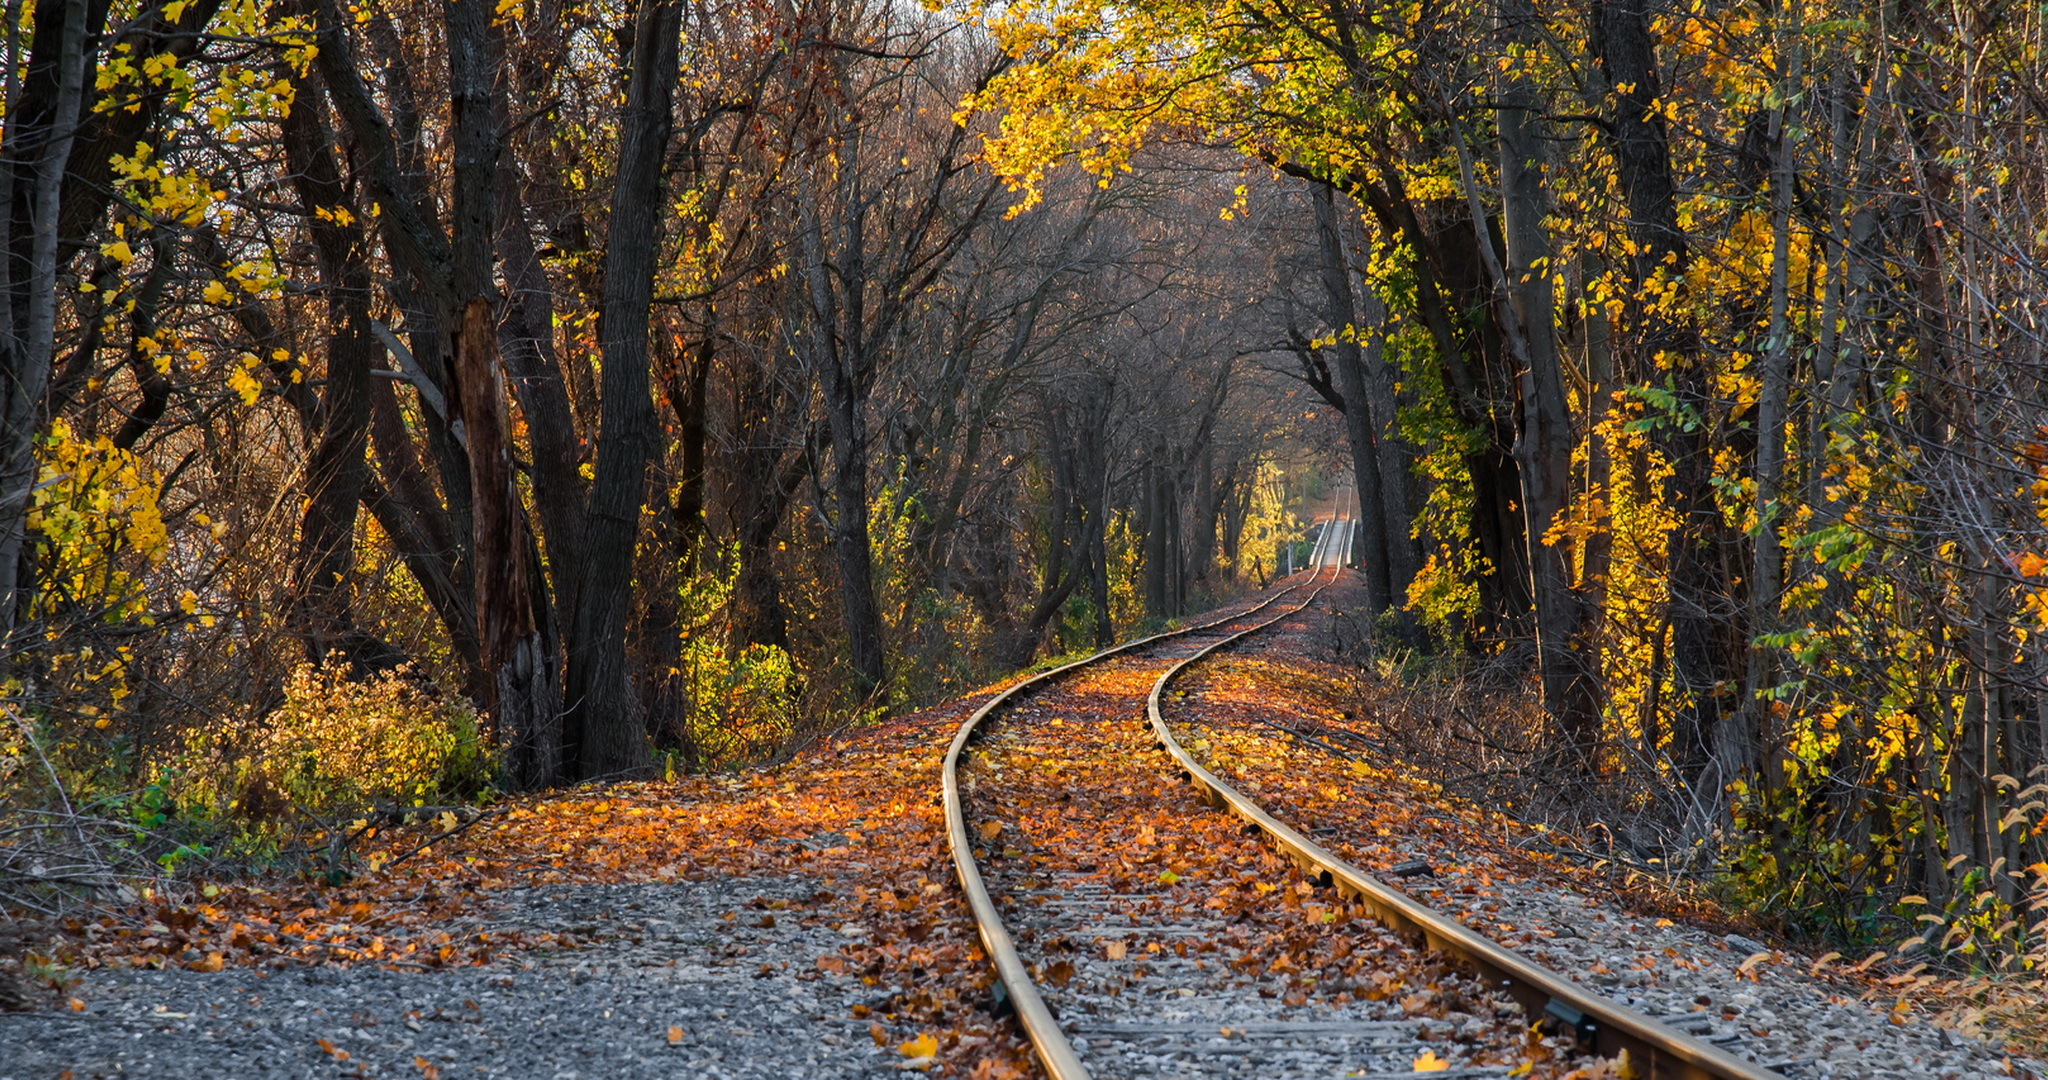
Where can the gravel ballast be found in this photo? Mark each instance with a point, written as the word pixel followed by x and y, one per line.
pixel 747 997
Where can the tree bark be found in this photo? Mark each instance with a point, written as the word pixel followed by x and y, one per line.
pixel 338 467
pixel 1543 447
pixel 1348 370
pixel 606 736
pixel 1705 616
pixel 31 343
pixel 517 652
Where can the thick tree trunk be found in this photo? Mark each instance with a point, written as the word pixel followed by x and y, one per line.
pixel 30 344
pixel 1707 635
pixel 860 610
pixel 517 652
pixel 526 339
pixel 1348 370
pixel 1396 456
pixel 1565 656
pixel 603 719
pixel 338 466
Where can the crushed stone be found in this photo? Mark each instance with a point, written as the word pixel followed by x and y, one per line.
pixel 681 979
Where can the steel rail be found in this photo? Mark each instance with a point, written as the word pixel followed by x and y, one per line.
pixel 1047 1040
pixel 1607 1027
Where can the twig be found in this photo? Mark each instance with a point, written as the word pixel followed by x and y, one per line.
pixel 432 840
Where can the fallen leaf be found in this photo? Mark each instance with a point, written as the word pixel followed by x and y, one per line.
pixel 1116 950
pixel 1060 973
pixel 990 830
pixel 77 1004
pixel 923 1046
pixel 1168 876
pixel 675 1034
pixel 1429 1062
pixel 428 1069
pixel 211 962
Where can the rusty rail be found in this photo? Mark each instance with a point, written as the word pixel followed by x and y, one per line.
pixel 1050 1043
pixel 1605 1026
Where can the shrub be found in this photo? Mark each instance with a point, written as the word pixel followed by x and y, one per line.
pixel 742 708
pixel 339 743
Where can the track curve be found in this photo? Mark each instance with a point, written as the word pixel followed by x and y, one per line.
pixel 1601 1025
pixel 1047 1040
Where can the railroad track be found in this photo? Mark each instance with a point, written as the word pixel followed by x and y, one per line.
pixel 1175 940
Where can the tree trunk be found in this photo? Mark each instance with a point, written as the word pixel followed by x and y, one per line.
pixel 516 651
pixel 1156 600
pixel 603 720
pixel 526 339
pixel 1566 659
pixel 758 496
pixel 845 371
pixel 1705 616
pixel 1774 380
pixel 338 467
pixel 31 342
pixel 1348 370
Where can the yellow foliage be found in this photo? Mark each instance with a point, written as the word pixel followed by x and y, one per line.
pixel 95 522
pixel 337 742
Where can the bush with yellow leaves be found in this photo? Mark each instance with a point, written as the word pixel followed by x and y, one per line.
pixel 338 743
pixel 741 708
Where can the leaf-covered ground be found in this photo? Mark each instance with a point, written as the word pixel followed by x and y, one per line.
pixel 1288 723
pixel 859 815
pixel 1140 906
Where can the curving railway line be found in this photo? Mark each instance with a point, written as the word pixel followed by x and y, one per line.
pixel 1137 931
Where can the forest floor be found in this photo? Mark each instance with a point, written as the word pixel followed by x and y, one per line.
pixel 803 921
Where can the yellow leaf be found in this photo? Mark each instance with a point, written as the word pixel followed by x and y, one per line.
pixel 923 1046
pixel 216 293
pixel 119 252
pixel 1429 1062
pixel 212 962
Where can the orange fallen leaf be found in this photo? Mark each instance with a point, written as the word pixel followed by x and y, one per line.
pixel 990 830
pixel 211 962
pixel 675 1034
pixel 1429 1062
pixel 1116 950
pixel 923 1046
pixel 428 1070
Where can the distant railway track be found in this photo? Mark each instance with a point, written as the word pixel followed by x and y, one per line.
pixel 1062 855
